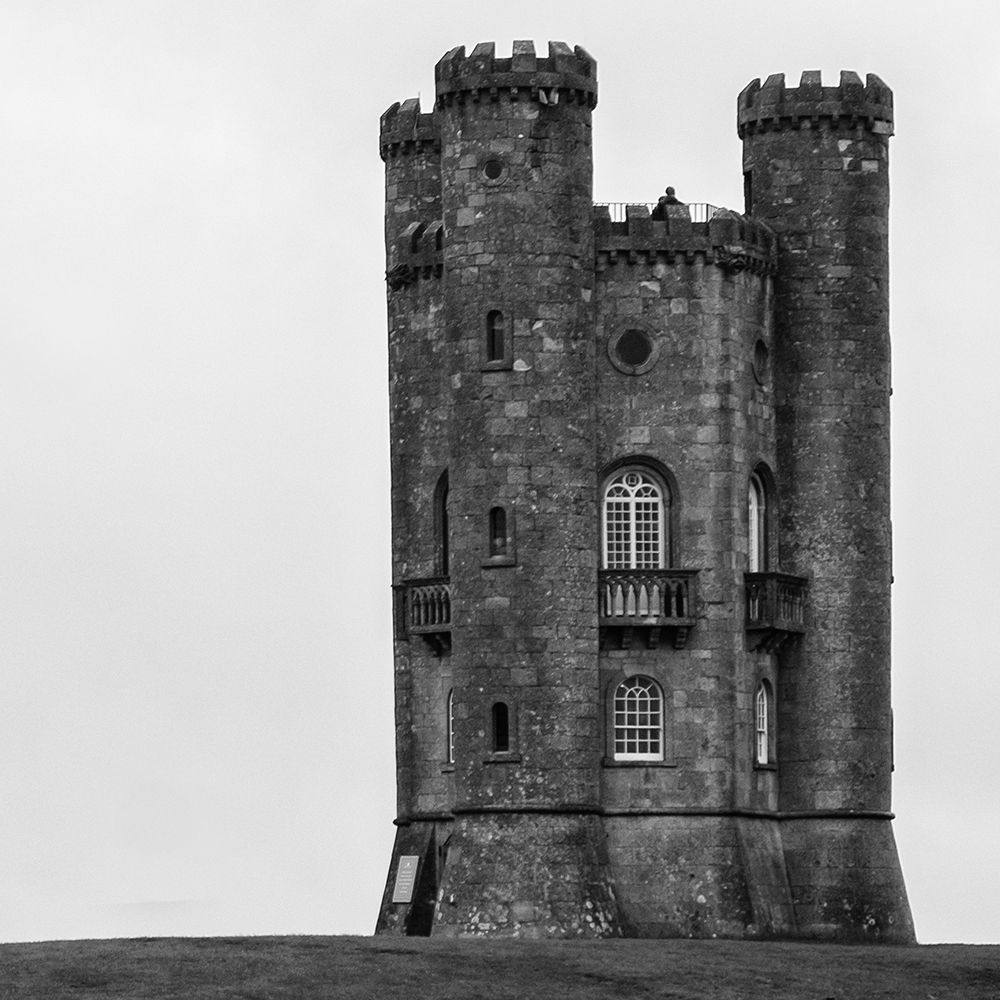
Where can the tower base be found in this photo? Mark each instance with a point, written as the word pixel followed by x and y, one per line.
pixel 846 881
pixel 724 875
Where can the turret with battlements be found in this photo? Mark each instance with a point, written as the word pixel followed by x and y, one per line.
pixel 816 165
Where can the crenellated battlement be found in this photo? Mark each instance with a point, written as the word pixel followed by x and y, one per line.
pixel 566 74
pixel 732 241
pixel 416 253
pixel 774 106
pixel 403 129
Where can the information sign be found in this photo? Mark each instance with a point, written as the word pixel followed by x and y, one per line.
pixel 406 878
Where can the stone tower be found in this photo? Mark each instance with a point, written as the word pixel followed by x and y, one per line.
pixel 641 539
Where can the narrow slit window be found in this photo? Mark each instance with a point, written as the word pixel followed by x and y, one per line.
pixel 498 532
pixel 501 728
pixel 495 346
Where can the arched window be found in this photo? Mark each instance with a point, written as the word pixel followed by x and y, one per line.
pixel 764 746
pixel 441 524
pixel 494 336
pixel 501 728
pixel 450 727
pixel 756 525
pixel 638 720
pixel 635 522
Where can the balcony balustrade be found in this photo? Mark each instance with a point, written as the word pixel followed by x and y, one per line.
pixel 426 611
pixel 651 599
pixel 776 607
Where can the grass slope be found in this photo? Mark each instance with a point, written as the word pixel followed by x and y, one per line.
pixel 348 968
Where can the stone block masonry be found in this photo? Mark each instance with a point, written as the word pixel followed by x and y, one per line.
pixel 640 521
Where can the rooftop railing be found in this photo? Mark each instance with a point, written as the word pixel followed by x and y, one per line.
pixel 700 211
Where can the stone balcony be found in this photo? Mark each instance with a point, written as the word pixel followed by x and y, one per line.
pixel 424 609
pixel 649 600
pixel 775 608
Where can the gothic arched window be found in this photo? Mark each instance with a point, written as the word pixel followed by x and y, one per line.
pixel 638 720
pixel 635 525
pixel 441 525
pixel 764 746
pixel 756 525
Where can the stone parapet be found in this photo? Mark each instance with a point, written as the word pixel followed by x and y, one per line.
pixel 403 129
pixel 567 74
pixel 775 106
pixel 728 239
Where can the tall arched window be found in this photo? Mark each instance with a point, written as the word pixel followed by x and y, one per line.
pixel 756 525
pixel 764 747
pixel 450 730
pixel 441 524
pixel 638 720
pixel 635 522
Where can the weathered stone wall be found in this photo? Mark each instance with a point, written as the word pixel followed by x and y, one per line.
pixel 528 875
pixel 679 876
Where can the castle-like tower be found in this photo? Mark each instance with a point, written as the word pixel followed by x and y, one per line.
pixel 640 505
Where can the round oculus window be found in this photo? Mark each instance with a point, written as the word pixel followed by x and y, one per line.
pixel 760 361
pixel 633 351
pixel 634 348
pixel 493 169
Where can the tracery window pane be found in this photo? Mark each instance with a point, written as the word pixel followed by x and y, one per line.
pixel 634 523
pixel 638 714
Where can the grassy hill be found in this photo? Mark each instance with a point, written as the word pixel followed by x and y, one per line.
pixel 346 968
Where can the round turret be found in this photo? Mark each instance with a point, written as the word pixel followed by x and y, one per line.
pixel 816 171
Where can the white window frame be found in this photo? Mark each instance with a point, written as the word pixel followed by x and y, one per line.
pixel 763 723
pixel 646 733
pixel 630 497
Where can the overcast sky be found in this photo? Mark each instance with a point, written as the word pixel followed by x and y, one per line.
pixel 196 731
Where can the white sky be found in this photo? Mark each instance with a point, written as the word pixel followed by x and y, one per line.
pixel 195 660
